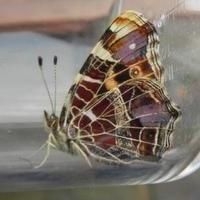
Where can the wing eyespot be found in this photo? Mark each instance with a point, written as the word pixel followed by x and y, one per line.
pixel 135 72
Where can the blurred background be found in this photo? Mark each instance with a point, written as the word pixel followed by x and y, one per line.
pixel 69 29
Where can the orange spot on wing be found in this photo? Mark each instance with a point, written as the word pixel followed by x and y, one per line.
pixel 110 84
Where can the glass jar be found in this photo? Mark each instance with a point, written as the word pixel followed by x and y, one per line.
pixel 23 98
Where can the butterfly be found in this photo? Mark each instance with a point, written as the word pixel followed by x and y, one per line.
pixel 118 109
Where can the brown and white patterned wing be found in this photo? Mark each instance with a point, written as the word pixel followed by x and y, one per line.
pixel 118 109
pixel 127 50
pixel 131 40
pixel 136 120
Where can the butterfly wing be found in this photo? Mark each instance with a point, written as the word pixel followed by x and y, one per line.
pixel 128 49
pixel 131 40
pixel 118 108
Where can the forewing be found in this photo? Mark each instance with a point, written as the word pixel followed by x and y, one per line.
pixel 132 41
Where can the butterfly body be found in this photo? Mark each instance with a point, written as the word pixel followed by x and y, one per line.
pixel 118 109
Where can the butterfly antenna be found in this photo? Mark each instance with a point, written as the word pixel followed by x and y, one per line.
pixel 40 64
pixel 55 60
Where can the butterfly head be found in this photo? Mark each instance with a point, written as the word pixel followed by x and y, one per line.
pixel 51 122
